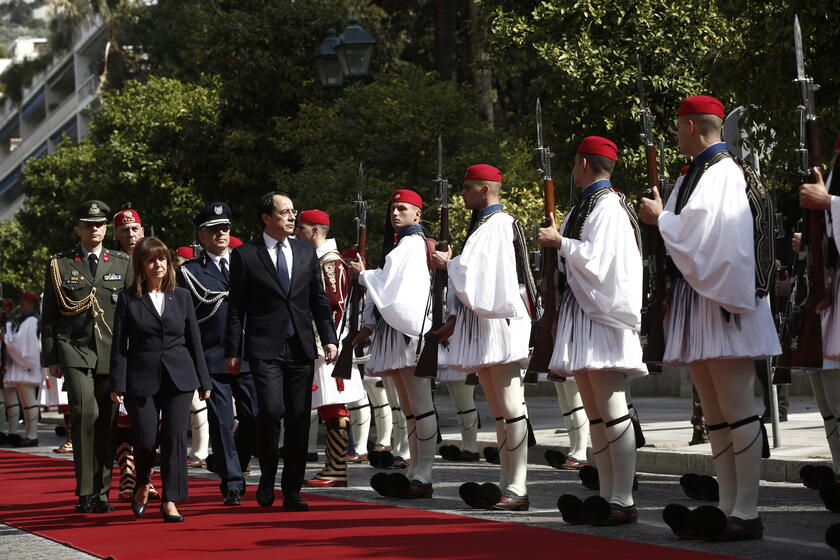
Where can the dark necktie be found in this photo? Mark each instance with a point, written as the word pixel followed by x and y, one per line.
pixel 225 271
pixel 92 261
pixel 282 268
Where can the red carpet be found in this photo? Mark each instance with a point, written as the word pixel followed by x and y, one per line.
pixel 37 497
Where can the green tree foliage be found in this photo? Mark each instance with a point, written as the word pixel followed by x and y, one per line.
pixel 152 147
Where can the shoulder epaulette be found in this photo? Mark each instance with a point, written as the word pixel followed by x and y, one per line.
pixel 119 254
pixel 63 254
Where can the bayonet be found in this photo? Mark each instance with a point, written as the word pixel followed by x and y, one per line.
pixel 361 203
pixel 797 45
pixel 543 153
pixel 442 183
pixel 644 110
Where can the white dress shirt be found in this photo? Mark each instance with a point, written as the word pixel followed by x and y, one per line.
pixel 157 300
pixel 217 259
pixel 271 247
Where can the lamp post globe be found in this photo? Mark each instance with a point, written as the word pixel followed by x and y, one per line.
pixel 327 62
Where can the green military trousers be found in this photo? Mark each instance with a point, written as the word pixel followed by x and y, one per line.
pixel 93 418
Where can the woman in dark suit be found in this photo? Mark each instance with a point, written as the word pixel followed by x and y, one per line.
pixel 156 365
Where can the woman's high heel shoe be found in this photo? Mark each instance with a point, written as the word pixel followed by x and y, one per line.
pixel 170 518
pixel 138 509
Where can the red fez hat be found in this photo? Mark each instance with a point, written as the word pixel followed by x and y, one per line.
pixel 837 143
pixel 483 172
pixel 405 195
pixel 314 217
pixel 186 252
pixel 700 105
pixel 235 242
pixel 29 297
pixel 598 146
pixel 126 217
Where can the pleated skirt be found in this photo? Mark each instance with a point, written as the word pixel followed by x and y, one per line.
pixel 831 328
pixel 582 345
pixel 390 350
pixel 696 329
pixel 478 343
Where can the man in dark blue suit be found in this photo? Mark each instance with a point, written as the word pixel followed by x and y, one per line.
pixel 276 293
pixel 208 279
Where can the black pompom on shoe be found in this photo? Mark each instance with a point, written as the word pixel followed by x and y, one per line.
pixel 555 458
pixel 830 496
pixel 690 483
pixel 488 495
pixel 589 477
pixel 679 519
pixel 380 482
pixel 397 485
pixel 708 488
pixel 808 476
pixel 709 522
pixel 571 508
pixel 596 509
pixel 491 455
pixel 468 492
pixel 824 476
pixel 832 537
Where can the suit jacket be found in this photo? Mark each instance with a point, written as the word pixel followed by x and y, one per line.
pixel 72 340
pixel 259 302
pixel 145 343
pixel 210 278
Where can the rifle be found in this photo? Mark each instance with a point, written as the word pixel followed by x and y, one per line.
pixel 653 310
pixel 343 368
pixel 427 363
pixel 802 340
pixel 541 331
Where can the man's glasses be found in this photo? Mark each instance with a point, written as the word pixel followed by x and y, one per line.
pixel 289 212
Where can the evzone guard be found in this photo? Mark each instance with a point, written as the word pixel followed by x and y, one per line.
pixel 825 382
pixel 489 328
pixel 717 323
pixel 330 395
pixel 597 336
pixel 396 293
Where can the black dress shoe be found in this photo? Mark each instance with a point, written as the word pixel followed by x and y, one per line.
pixel 85 504
pixel 101 506
pixel 170 518
pixel 292 502
pixel 138 509
pixel 265 495
pixel 232 498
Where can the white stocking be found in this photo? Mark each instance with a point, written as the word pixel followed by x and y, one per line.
pixel 381 412
pixel 598 433
pixel 464 397
pixel 574 417
pixel 29 403
pixel 503 381
pixel 360 423
pixel 608 388
pixel 400 429
pixel 416 396
pixel 826 386
pixel 12 409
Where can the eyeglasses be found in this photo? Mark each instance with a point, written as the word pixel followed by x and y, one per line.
pixel 289 212
pixel 220 227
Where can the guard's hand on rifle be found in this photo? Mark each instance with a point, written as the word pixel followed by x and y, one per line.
pixel 796 242
pixel 549 236
pixel 356 267
pixel 55 371
pixel 651 208
pixel 814 196
pixel 446 329
pixel 360 338
pixel 232 365
pixel 330 353
pixel 440 258
pixel 825 303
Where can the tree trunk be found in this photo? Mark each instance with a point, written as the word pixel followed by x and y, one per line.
pixel 480 76
pixel 445 41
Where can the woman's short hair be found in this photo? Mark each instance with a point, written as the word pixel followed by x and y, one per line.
pixel 146 249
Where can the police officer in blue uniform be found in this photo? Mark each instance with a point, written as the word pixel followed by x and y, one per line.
pixel 208 279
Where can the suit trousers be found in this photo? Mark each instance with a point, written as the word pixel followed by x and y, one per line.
pixel 93 418
pixel 231 454
pixel 173 406
pixel 284 391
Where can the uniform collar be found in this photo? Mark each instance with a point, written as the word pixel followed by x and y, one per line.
pixel 595 187
pixel 708 153
pixel 489 209
pixel 85 252
pixel 408 231
pixel 326 247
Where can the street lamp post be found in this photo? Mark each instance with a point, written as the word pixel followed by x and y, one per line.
pixel 344 57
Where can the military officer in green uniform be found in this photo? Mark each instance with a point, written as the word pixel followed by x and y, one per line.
pixel 80 295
